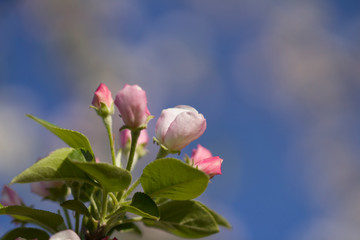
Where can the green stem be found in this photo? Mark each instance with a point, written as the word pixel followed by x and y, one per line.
pixel 108 125
pixel 93 204
pixel 76 194
pixel 114 199
pixel 130 220
pixel 162 153
pixel 118 158
pixel 129 191
pixel 66 213
pixel 134 137
pixel 104 206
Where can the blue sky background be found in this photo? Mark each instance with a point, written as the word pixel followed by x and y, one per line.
pixel 277 81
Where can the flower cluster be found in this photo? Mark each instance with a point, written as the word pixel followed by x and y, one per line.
pixel 101 194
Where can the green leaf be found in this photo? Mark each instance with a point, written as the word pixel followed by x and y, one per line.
pixel 111 178
pixel 27 233
pixel 126 227
pixel 72 138
pixel 51 221
pixel 173 179
pixel 56 166
pixel 143 205
pixel 76 206
pixel 220 220
pixel 187 219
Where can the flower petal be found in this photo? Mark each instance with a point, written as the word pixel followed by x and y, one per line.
pixel 186 127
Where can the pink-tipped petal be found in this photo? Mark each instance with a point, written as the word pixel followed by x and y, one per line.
pixel 211 166
pixel 200 153
pixel 9 197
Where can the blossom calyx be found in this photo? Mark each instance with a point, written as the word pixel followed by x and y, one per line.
pixel 102 101
pixel 131 102
pixel 178 126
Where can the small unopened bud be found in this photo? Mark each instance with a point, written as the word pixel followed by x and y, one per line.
pixel 132 104
pixel 103 102
pixel 204 161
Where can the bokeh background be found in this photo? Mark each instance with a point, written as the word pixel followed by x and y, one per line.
pixel 278 82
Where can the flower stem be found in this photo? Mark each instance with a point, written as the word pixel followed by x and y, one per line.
pixel 114 199
pixel 162 153
pixel 66 213
pixel 118 158
pixel 76 193
pixel 108 125
pixel 134 137
pixel 104 206
pixel 93 204
pixel 130 220
pixel 129 191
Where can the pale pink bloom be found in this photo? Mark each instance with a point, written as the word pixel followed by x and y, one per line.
pixel 42 188
pixel 204 161
pixel 178 126
pixel 102 95
pixel 9 197
pixel 65 235
pixel 132 104
pixel 125 138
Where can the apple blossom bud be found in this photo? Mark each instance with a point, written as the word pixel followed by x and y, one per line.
pixel 200 153
pixel 9 197
pixel 125 138
pixel 66 234
pixel 204 161
pixel 103 101
pixel 177 127
pixel 42 188
pixel 132 104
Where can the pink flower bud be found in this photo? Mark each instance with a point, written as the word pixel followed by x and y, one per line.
pixel 177 127
pixel 103 101
pixel 204 161
pixel 200 153
pixel 132 104
pixel 9 197
pixel 42 188
pixel 125 138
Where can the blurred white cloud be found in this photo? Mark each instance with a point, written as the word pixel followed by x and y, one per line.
pixel 16 133
pixel 296 63
pixel 304 69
